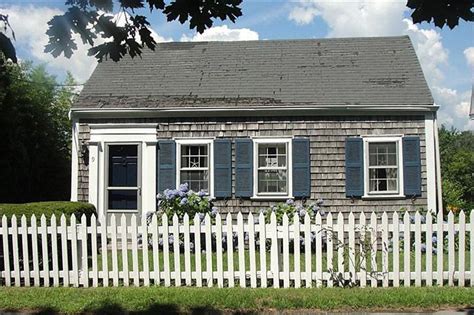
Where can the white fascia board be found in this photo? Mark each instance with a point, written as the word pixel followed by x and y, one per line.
pixel 245 111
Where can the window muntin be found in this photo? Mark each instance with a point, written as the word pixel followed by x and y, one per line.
pixel 123 188
pixel 194 167
pixel 383 167
pixel 272 169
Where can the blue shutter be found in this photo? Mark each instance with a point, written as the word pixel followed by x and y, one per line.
pixel 354 167
pixel 301 168
pixel 243 168
pixel 411 166
pixel 222 168
pixel 166 166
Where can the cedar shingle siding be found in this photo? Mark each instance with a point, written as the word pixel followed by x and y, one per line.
pixel 327 139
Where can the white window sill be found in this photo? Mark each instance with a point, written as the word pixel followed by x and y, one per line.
pixel 271 197
pixel 378 197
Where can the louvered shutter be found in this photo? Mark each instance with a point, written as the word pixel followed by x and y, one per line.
pixel 411 166
pixel 301 168
pixel 243 168
pixel 354 167
pixel 166 165
pixel 222 168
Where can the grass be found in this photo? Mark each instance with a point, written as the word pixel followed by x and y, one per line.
pixel 159 300
pixel 268 260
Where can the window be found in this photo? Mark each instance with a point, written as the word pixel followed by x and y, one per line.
pixel 383 170
pixel 194 164
pixel 272 161
pixel 123 188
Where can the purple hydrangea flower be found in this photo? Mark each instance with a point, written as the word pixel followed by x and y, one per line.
pixel 201 216
pixel 184 201
pixel 290 202
pixel 423 248
pixel 302 212
pixel 184 187
pixel 214 211
pixel 434 239
pixel 320 202
pixel 202 193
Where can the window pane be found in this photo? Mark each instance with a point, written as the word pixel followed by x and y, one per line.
pixel 272 181
pixel 383 154
pixel 194 156
pixel 123 165
pixel 383 179
pixel 272 155
pixel 197 180
pixel 123 199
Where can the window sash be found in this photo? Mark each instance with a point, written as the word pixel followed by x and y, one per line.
pixel 186 154
pixel 261 180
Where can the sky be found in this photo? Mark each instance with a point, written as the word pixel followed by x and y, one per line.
pixel 446 56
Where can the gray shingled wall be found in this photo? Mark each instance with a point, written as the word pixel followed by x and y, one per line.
pixel 327 136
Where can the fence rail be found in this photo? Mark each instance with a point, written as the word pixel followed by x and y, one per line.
pixel 358 250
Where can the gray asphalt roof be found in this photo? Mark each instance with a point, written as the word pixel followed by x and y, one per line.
pixel 317 72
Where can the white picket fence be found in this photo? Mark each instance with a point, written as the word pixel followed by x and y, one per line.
pixel 379 250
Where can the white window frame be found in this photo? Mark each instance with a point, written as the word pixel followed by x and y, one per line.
pixel 289 163
pixel 385 194
pixel 200 141
pixel 139 178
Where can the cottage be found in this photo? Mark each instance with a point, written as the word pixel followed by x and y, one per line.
pixel 350 120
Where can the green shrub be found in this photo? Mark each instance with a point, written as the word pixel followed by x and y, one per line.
pixel 47 208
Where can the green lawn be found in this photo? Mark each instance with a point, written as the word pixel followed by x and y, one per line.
pixel 268 259
pixel 159 300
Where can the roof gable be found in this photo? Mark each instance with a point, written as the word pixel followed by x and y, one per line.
pixel 321 72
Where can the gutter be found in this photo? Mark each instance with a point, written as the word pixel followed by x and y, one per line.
pixel 250 111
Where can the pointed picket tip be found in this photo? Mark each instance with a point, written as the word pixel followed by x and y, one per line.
pixel 197 218
pixel 229 217
pixel 373 215
pixel 218 217
pixel 318 217
pixel 239 215
pixel 186 216
pixel 93 219
pixel 250 219
pixel 73 219
pixel 43 218
pixel 362 216
pixel 23 218
pixel 13 219
pixel 4 220
pixel 462 214
pixel 62 219
pixel 164 218
pixel 450 215
pixel 285 218
pixel 261 216
pixel 296 217
pixel 351 215
pixel 273 218
pixel 340 216
pixel 113 219
pixel 83 217
pixel 406 215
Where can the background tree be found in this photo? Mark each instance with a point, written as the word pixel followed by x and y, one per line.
pixel 36 135
pixel 457 168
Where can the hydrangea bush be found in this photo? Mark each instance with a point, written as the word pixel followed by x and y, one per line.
pixel 183 200
pixel 290 207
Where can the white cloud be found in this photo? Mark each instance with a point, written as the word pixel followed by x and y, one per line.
pixel 222 33
pixel 469 54
pixel 454 107
pixel 304 13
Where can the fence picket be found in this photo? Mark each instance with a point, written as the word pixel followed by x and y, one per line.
pixel 362 250
pixel 396 249
pixel 439 249
pixel 219 251
pixel 84 265
pixel 286 255
pixel 352 257
pixel 208 233
pixel 319 250
pixel 471 242
pixel 274 251
pixel 124 241
pixel 34 244
pixel 16 258
pixel 6 252
pixel 166 250
pixel 176 251
pixel 429 249
pixel 307 251
pixel 340 243
pixel 134 241
pixel 115 268
pixel 451 251
pixel 241 249
pixel 296 242
pixel 187 251
pixel 373 251
pixel 104 251
pixel 45 251
pixel 25 251
pixel 197 251
pixel 146 262
pixel 54 250
pixel 462 249
pixel 384 230
pixel 252 262
pixel 95 269
pixel 406 250
pixel 329 247
pixel 156 250
pixel 230 250
pixel 417 249
pixel 263 250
